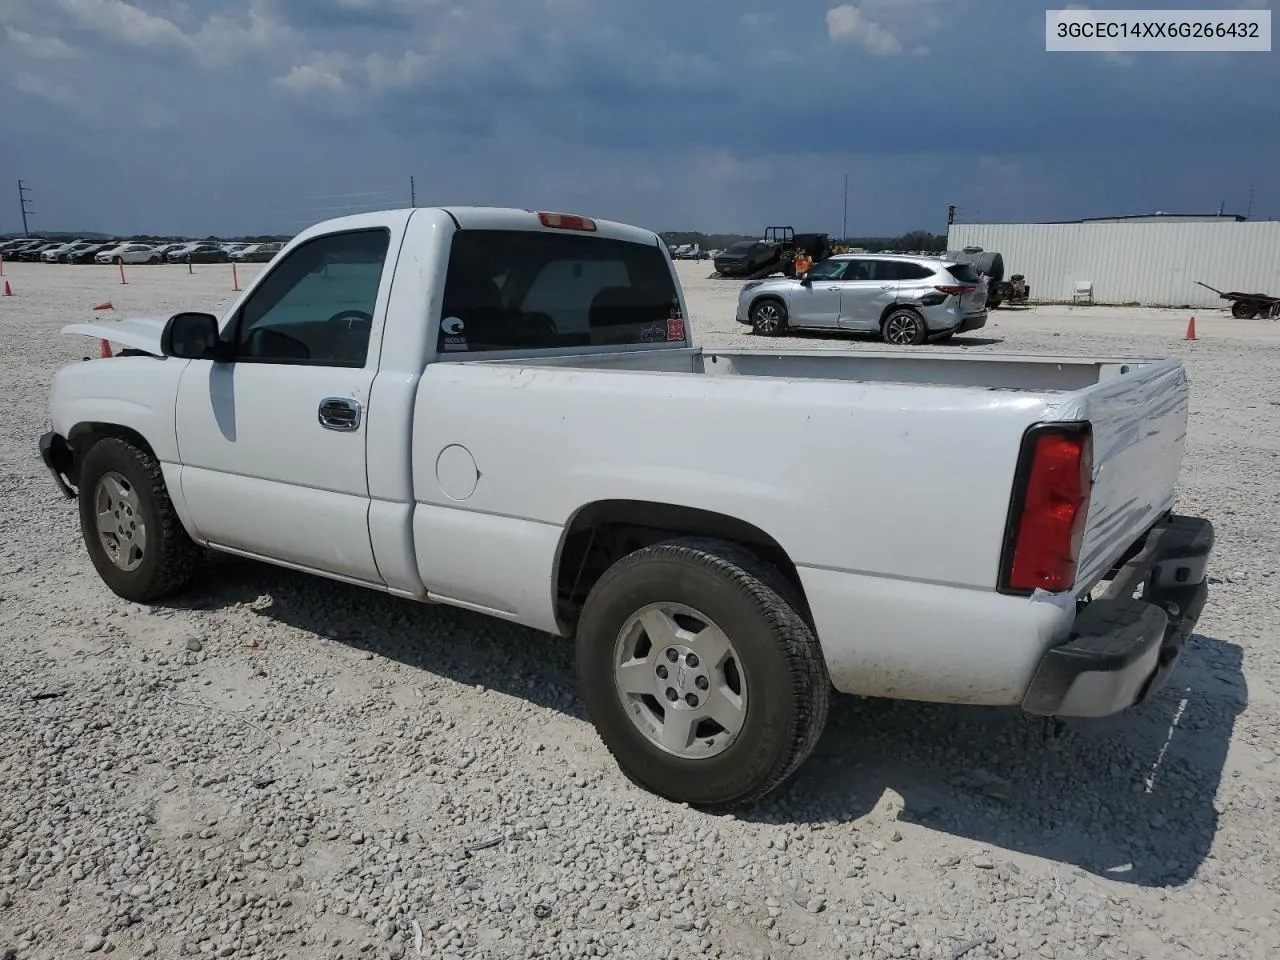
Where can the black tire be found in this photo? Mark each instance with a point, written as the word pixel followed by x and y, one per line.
pixel 1244 309
pixel 786 683
pixel 154 260
pixel 168 556
pixel 768 317
pixel 904 327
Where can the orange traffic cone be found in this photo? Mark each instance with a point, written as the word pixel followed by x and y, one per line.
pixel 8 290
pixel 104 349
pixel 1191 330
pixel 104 306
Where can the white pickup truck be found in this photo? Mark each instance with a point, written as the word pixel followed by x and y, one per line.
pixel 504 410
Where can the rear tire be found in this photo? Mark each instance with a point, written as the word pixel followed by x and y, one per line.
pixel 1244 309
pixel 904 327
pixel 769 318
pixel 702 679
pixel 130 528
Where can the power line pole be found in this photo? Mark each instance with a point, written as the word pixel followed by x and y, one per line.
pixel 1249 209
pixel 844 224
pixel 413 196
pixel 23 190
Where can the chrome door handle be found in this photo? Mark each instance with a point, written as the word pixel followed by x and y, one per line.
pixel 833 288
pixel 339 413
pixel 888 286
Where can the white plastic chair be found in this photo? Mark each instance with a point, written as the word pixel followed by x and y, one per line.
pixel 1084 291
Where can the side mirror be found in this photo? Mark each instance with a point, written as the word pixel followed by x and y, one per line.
pixel 804 278
pixel 191 336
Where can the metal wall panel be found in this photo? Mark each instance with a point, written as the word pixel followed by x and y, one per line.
pixel 1154 264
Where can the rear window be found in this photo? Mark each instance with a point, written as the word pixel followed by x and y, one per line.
pixel 528 290
pixel 964 272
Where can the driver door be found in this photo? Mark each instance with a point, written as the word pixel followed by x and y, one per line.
pixel 816 304
pixel 273 443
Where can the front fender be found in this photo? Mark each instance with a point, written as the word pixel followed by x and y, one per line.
pixel 137 393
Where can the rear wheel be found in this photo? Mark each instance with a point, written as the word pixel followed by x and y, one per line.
pixel 1244 309
pixel 130 528
pixel 700 676
pixel 904 327
pixel 769 318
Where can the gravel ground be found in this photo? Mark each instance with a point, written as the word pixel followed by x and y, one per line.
pixel 279 766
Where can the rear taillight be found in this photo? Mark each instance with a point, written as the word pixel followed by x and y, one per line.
pixel 567 221
pixel 1050 503
pixel 958 291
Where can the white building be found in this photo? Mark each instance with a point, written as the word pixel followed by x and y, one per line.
pixel 1150 260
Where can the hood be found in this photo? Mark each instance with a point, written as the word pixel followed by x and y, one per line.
pixel 138 333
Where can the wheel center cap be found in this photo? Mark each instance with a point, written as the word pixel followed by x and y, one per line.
pixel 681 678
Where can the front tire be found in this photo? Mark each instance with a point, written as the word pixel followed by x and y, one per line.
pixel 130 528
pixel 904 328
pixel 769 318
pixel 702 679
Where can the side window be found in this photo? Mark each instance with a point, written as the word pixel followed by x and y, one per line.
pixel 316 305
pixel 861 270
pixel 829 270
pixel 904 270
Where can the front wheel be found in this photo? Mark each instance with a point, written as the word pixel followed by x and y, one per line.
pixel 130 528
pixel 702 679
pixel 904 328
pixel 769 318
pixel 1244 309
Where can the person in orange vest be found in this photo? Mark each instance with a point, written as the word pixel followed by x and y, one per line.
pixel 803 262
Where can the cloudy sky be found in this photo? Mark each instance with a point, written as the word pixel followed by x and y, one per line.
pixel 240 116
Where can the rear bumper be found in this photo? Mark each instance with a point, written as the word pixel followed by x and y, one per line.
pixel 1123 649
pixel 974 321
pixel 58 457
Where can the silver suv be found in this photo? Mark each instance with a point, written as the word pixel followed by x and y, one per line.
pixel 907 300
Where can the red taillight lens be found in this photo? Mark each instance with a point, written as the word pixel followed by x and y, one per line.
pixel 567 221
pixel 955 290
pixel 1056 474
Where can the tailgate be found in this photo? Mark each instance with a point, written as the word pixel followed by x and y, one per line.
pixel 1139 423
pixel 975 301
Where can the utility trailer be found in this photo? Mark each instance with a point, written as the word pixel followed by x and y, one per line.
pixel 1246 306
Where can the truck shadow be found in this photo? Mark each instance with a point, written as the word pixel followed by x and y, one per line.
pixel 1129 798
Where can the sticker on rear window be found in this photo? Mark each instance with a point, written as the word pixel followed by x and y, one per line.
pixel 452 328
pixel 675 329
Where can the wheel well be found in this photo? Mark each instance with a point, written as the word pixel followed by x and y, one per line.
pixel 604 532
pixel 896 306
pixel 763 297
pixel 84 435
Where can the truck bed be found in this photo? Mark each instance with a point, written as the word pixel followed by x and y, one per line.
pixel 940 428
pixel 938 368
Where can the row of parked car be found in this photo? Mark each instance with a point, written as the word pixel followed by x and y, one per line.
pixel 40 250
